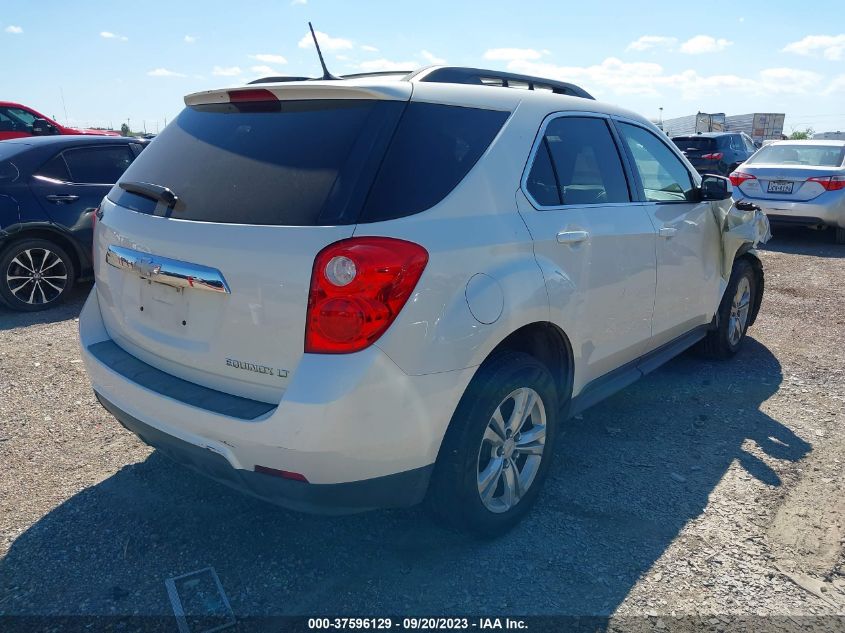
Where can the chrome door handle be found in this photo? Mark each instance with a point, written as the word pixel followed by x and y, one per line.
pixel 163 270
pixel 572 237
pixel 667 231
pixel 60 199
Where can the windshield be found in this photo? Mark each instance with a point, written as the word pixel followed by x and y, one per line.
pixel 814 155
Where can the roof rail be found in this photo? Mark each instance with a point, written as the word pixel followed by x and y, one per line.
pixel 483 77
pixel 460 75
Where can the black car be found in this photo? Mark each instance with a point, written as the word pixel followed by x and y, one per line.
pixel 49 189
pixel 717 153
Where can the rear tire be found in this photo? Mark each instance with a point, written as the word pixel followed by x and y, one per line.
pixel 734 313
pixel 498 447
pixel 35 275
pixel 840 235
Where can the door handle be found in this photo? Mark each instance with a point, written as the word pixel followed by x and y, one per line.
pixel 572 237
pixel 667 231
pixel 61 199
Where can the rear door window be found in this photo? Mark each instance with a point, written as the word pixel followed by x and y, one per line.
pixel 98 165
pixel 55 168
pixel 664 177
pixel 585 164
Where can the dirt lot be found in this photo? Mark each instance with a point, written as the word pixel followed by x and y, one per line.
pixel 715 489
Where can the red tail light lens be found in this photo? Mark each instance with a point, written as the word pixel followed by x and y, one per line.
pixel 358 286
pixel 713 156
pixel 738 177
pixel 830 183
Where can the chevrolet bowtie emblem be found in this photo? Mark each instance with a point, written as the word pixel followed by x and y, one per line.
pixel 146 267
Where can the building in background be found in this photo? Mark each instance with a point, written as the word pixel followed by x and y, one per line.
pixel 829 136
pixel 760 126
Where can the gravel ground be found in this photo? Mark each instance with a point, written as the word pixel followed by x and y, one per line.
pixel 708 489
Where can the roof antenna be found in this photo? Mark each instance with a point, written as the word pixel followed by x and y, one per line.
pixel 326 73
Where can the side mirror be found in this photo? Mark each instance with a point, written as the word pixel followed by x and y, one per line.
pixel 715 188
pixel 40 127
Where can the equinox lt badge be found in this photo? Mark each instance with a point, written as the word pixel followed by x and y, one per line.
pixel 259 369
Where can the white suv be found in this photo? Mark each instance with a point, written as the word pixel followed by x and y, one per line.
pixel 344 295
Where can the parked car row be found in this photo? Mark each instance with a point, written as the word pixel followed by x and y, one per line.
pixel 49 188
pixel 798 183
pixel 20 121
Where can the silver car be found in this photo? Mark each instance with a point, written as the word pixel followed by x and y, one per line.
pixel 797 182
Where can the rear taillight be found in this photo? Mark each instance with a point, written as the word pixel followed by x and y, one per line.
pixel 830 183
pixel 358 286
pixel 713 156
pixel 738 177
pixel 94 217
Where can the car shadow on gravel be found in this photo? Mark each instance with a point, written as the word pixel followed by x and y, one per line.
pixel 629 474
pixel 70 309
pixel 803 241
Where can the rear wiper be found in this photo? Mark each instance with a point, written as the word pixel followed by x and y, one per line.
pixel 151 191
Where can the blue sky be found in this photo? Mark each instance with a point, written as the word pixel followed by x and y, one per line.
pixel 136 60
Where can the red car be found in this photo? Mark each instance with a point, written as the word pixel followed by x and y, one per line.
pixel 18 121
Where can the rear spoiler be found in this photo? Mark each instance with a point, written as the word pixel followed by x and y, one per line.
pixel 299 91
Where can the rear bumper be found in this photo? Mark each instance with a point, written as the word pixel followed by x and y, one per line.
pixel 828 209
pixel 397 490
pixel 363 433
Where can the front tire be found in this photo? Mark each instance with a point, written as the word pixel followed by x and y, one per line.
pixel 35 275
pixel 840 235
pixel 734 313
pixel 498 448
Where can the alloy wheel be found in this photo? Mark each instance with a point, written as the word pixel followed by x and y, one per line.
pixel 740 307
pixel 36 276
pixel 511 450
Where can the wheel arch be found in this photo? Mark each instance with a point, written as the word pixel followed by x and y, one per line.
pixel 550 345
pixel 750 255
pixel 46 232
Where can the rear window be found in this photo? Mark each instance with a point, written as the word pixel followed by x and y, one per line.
pixel 694 143
pixel 309 163
pixel 815 155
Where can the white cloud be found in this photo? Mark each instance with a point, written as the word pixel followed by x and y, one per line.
pixel 648 42
pixel 113 36
pixel 14 30
pixel 616 77
pixel 269 59
pixel 342 58
pixel 264 70
pixel 837 84
pixel 704 44
pixel 190 39
pixel 831 47
pixel 511 54
pixel 327 42
pixel 226 71
pixel 369 49
pixel 164 72
pixel 789 80
pixel 431 58
pixel 376 65
pixel 295 2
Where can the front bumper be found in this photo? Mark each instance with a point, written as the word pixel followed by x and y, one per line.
pixel 363 433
